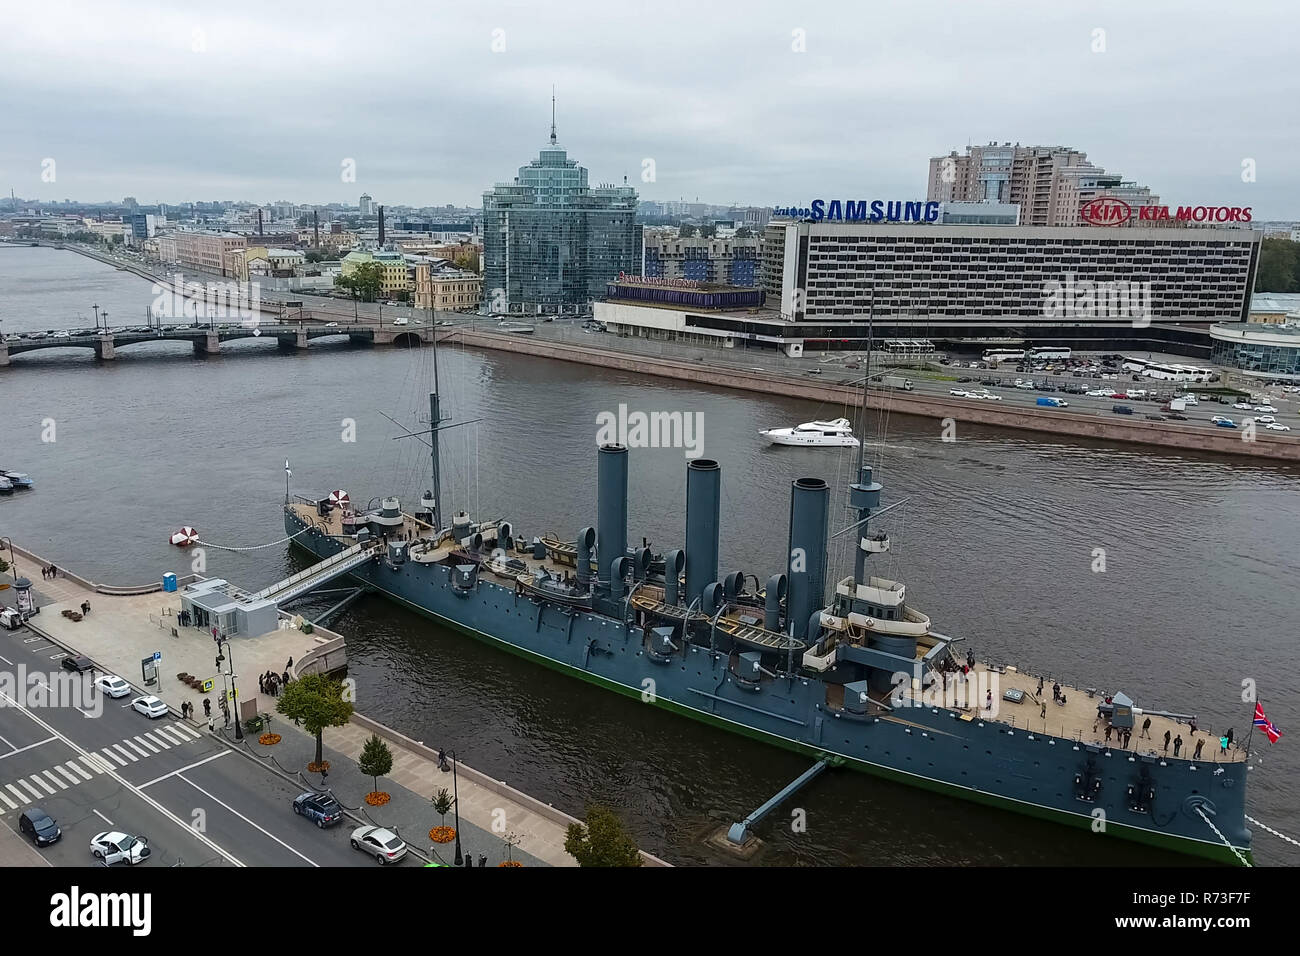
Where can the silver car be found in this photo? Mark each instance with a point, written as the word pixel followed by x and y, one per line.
pixel 384 845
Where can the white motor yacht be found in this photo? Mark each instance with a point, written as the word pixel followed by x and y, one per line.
pixel 834 434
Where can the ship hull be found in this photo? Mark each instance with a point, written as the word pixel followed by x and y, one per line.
pixel 930 748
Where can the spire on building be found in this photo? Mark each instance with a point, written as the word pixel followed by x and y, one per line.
pixel 552 116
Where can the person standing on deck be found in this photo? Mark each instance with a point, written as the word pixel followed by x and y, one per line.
pixel 1196 754
pixel 1167 736
pixel 1146 728
pixel 1178 744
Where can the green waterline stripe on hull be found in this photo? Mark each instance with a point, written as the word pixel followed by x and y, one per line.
pixel 1208 849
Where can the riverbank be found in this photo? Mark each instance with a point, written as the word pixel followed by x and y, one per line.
pixel 129 624
pixel 943 408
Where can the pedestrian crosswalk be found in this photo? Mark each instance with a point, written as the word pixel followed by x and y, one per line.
pixel 34 788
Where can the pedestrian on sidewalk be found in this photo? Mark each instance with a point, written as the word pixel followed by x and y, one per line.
pixel 289 666
pixel 211 728
pixel 207 706
pixel 261 684
pixel 284 679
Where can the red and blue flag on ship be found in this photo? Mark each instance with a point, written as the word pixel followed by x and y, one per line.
pixel 1266 725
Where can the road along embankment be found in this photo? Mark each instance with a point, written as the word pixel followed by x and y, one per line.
pixel 1227 441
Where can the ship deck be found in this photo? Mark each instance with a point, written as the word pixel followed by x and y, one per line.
pixel 414 530
pixel 1077 718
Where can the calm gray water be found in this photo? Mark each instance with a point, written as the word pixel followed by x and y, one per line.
pixel 996 543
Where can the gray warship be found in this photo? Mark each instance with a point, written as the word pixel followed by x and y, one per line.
pixel 856 677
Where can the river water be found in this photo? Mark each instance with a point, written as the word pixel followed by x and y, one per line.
pixel 998 541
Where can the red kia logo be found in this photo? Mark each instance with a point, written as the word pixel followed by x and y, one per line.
pixel 1106 211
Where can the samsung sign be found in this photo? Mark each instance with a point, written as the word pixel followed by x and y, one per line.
pixel 850 210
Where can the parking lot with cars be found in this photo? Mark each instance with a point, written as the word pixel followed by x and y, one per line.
pixel 1100 386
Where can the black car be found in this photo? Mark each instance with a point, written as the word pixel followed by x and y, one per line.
pixel 965 378
pixel 78 663
pixel 1177 416
pixel 989 381
pixel 1121 410
pixel 320 808
pixel 36 823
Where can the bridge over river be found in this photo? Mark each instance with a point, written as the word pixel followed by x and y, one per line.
pixel 207 339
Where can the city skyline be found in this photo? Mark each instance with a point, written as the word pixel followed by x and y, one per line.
pixel 437 106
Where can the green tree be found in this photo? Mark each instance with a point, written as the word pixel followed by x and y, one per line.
pixel 601 841
pixel 707 230
pixel 685 231
pixel 376 759
pixel 467 260
pixel 442 804
pixel 314 702
pixel 1279 266
pixel 744 232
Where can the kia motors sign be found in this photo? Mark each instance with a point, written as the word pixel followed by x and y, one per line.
pixel 1106 211
pixel 1109 211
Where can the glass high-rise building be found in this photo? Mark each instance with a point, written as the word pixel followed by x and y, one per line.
pixel 551 242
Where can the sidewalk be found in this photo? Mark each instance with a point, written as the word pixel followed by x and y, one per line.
pixel 122 630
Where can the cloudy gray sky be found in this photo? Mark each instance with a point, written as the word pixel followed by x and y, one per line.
pixel 170 102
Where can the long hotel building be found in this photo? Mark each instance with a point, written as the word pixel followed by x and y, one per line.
pixel 1161 288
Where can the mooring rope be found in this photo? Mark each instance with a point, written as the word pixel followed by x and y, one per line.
pixel 1265 826
pixel 1210 823
pixel 256 547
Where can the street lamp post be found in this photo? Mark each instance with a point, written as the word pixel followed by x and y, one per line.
pixel 456 803
pixel 234 691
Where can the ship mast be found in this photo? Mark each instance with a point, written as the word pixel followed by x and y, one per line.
pixel 859 555
pixel 435 420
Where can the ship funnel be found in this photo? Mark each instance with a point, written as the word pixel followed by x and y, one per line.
pixel 674 564
pixel 809 512
pixel 586 538
pixel 703 495
pixel 733 584
pixel 776 588
pixel 611 507
pixel 505 535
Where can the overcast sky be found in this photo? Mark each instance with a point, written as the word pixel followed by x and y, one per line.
pixel 266 101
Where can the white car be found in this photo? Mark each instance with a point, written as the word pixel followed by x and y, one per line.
pixel 331 325
pixel 987 395
pixel 1264 408
pixel 1276 426
pixel 384 845
pixel 1245 406
pixel 1190 400
pixel 1266 419
pixel 1100 393
pixel 959 392
pixel 112 847
pixel 1028 386
pixel 151 707
pixel 113 686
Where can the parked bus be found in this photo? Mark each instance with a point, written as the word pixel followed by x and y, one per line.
pixel 1049 352
pixel 1003 355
